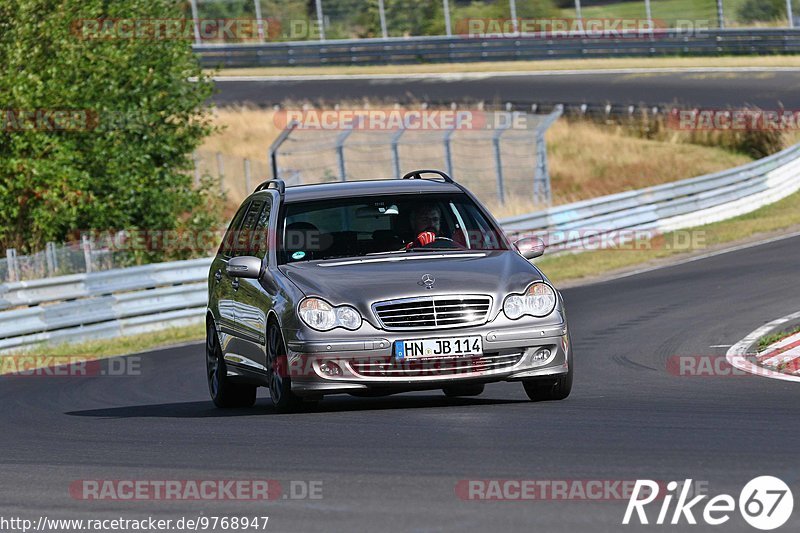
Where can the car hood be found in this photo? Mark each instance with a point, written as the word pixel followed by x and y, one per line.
pixel 363 281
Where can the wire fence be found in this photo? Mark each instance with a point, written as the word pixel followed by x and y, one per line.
pixel 60 260
pixel 301 20
pixel 501 158
pixel 237 176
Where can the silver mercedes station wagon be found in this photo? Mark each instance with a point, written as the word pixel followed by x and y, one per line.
pixel 377 287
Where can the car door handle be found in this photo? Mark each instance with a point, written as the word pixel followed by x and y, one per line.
pixel 235 284
pixel 218 275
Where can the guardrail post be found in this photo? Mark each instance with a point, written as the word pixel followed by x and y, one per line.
pixel 578 14
pixel 259 21
pixel 542 192
pixel 448 155
pixel 446 8
pixel 11 256
pixel 86 244
pixel 340 154
pixel 512 7
pixel 541 181
pixel 340 140
pixel 790 13
pixel 50 258
pixel 720 15
pixel 320 20
pixel 498 161
pixel 196 22
pixel 382 16
pixel 273 149
pixel 395 152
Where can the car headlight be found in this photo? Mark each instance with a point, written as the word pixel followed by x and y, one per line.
pixel 538 300
pixel 322 316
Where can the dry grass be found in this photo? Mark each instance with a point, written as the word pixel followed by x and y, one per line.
pixel 91 350
pixel 589 160
pixel 525 66
pixel 245 132
pixel 586 160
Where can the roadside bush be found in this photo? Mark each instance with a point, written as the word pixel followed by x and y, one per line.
pixel 125 161
pixel 645 125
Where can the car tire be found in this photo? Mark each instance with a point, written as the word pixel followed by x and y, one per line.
pixel 224 393
pixel 542 390
pixel 279 382
pixel 473 389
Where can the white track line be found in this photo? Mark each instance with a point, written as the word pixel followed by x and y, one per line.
pixel 458 76
pixel 736 356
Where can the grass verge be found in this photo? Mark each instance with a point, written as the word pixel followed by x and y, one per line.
pixel 102 348
pixel 662 10
pixel 771 218
pixel 767 340
pixel 522 66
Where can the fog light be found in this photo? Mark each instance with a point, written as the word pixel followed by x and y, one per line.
pixel 541 356
pixel 330 369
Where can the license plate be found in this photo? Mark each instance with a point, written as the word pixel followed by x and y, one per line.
pixel 451 347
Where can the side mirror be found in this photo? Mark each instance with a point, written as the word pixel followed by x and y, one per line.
pixel 244 267
pixel 530 247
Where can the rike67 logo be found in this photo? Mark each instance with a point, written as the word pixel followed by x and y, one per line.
pixel 765 503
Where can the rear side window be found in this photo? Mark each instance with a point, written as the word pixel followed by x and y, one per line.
pixel 248 232
pixel 250 241
pixel 229 241
pixel 259 239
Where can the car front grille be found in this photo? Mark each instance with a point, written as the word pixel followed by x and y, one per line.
pixel 433 312
pixel 387 367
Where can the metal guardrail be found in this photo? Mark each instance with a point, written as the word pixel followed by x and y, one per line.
pixel 103 304
pixel 507 159
pixel 141 299
pixel 436 49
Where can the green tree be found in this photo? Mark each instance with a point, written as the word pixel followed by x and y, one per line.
pixel 128 168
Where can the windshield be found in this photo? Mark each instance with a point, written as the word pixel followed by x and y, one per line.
pixel 352 227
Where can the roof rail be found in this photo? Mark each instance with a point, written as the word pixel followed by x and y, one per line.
pixel 279 184
pixel 417 174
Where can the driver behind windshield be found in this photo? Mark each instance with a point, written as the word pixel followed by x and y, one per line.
pixel 426 221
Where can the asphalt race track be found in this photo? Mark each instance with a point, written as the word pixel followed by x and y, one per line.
pixel 765 89
pixel 392 464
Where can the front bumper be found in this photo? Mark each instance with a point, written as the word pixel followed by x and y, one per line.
pixel 368 364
